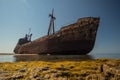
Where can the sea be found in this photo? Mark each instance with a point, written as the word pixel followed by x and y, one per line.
pixel 35 57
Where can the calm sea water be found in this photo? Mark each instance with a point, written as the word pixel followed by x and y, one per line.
pixel 17 58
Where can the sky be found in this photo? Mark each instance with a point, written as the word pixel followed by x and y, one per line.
pixel 17 16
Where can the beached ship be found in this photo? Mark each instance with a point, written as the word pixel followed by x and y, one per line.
pixel 77 38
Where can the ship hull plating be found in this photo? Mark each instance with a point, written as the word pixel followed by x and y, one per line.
pixel 52 47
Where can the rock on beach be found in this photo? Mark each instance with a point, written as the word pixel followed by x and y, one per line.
pixel 99 69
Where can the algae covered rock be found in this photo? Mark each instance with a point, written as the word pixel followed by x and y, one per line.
pixel 99 69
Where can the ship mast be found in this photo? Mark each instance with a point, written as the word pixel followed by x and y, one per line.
pixel 51 29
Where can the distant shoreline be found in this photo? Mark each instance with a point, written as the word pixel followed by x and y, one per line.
pixel 15 54
pixel 6 53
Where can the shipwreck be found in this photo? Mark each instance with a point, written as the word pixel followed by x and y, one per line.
pixel 76 38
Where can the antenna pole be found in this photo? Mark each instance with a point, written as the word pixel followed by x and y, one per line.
pixel 29 31
pixel 29 35
pixel 51 25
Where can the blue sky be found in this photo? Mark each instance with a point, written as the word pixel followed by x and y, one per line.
pixel 17 16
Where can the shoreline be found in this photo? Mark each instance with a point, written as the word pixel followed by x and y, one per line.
pixel 6 53
pixel 101 69
pixel 15 54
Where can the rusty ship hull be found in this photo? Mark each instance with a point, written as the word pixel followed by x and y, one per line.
pixel 77 38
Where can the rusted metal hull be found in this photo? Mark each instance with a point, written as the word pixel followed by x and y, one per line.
pixel 77 38
pixel 51 47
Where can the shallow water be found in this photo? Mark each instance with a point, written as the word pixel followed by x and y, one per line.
pixel 17 58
